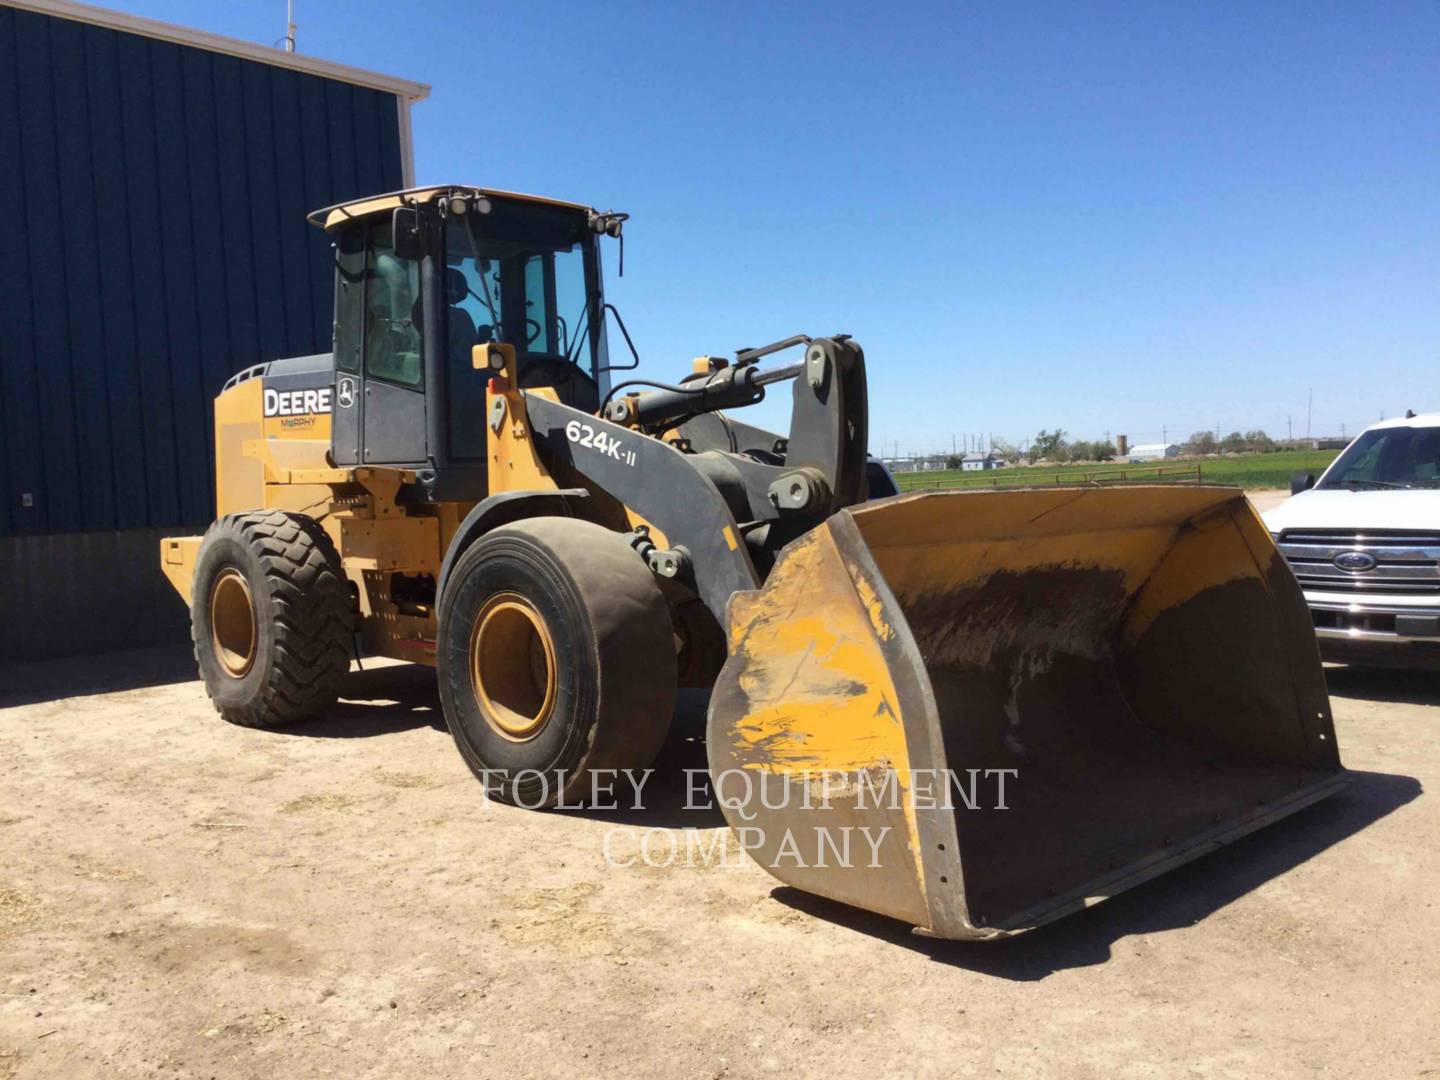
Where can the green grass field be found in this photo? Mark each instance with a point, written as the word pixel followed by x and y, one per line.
pixel 1252 471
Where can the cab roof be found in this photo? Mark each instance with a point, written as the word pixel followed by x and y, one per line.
pixel 330 217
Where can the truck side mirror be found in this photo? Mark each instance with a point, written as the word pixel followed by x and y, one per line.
pixel 408 240
pixel 1301 482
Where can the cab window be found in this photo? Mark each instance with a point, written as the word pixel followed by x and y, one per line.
pixel 392 311
pixel 523 275
pixel 349 297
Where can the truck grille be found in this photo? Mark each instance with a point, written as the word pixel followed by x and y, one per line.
pixel 1406 563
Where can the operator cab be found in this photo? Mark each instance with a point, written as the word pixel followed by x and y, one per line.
pixel 424 276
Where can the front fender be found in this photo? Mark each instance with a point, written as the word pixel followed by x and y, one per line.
pixel 502 509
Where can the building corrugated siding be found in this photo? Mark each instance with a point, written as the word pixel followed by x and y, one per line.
pixel 154 243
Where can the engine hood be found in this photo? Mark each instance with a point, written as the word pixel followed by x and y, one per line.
pixel 1341 509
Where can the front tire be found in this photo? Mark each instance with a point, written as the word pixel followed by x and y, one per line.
pixel 271 618
pixel 556 659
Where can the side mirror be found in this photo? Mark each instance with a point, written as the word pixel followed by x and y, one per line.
pixel 405 230
pixel 1301 482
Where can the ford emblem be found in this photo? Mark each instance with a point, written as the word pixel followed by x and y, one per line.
pixel 1356 562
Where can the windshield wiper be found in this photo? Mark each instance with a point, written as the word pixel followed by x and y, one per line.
pixel 1373 483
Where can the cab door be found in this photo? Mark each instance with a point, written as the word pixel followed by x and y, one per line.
pixel 347 402
pixel 379 416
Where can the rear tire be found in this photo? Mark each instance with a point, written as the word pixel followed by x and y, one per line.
pixel 271 618
pixel 556 659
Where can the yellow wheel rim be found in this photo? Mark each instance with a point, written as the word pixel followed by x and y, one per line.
pixel 232 623
pixel 512 666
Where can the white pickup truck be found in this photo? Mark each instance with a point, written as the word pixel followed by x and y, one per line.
pixel 1364 543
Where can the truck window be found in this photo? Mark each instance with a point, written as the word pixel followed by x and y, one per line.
pixel 1397 457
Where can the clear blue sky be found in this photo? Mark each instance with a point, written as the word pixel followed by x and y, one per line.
pixel 1107 217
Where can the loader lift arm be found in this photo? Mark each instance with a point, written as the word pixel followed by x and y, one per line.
pixel 726 515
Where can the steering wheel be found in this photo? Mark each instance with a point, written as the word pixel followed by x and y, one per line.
pixel 530 337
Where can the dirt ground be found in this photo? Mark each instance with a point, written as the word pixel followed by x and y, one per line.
pixel 179 897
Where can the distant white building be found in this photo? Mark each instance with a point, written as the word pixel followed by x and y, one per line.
pixel 1153 451
pixel 975 462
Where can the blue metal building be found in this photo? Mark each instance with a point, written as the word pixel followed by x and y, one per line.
pixel 155 181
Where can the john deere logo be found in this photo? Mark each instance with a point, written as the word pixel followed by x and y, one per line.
pixel 1356 562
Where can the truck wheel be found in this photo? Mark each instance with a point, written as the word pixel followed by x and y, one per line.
pixel 556 659
pixel 271 618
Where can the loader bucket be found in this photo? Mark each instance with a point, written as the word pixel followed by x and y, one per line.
pixel 1135 665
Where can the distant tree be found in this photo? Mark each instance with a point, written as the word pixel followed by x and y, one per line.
pixel 1047 445
pixel 1202 442
pixel 1098 450
pixel 1234 443
pixel 1258 442
pixel 954 461
pixel 1007 452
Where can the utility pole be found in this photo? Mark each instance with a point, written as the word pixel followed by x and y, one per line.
pixel 1289 430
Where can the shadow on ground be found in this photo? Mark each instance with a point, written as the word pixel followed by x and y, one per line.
pixel 1175 900
pixel 38 681
pixel 1398 686
pixel 380 700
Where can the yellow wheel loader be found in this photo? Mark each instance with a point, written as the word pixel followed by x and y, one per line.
pixel 975 711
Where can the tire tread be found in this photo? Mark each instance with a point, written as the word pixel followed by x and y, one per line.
pixel 309 608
